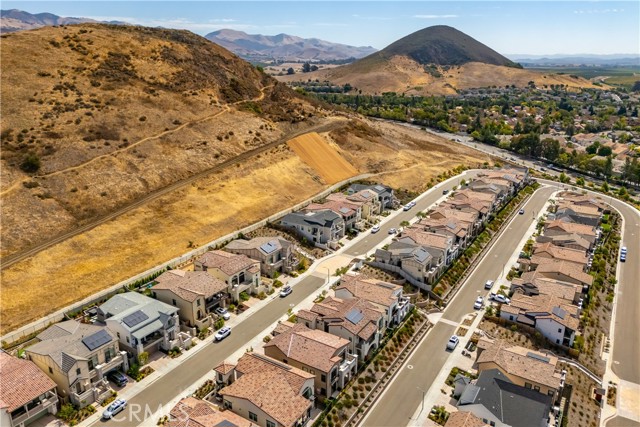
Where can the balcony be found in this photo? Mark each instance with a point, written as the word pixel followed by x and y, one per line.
pixel 22 415
pixel 84 398
pixel 349 363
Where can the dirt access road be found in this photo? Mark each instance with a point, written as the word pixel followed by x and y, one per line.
pixel 326 125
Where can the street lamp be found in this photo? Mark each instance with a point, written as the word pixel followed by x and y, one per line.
pixel 328 275
pixel 424 393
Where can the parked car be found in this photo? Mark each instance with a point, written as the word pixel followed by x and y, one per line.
pixel 479 303
pixel 392 231
pixel 623 254
pixel 286 291
pixel 488 284
pixel 222 312
pixel 117 406
pixel 499 298
pixel 453 342
pixel 412 203
pixel 445 191
pixel 407 207
pixel 222 333
pixel 118 378
pixel 521 211
pixel 375 229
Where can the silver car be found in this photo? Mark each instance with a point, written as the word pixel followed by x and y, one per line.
pixel 117 406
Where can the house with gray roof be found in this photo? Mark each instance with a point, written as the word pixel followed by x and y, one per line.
pixel 142 324
pixel 238 271
pixel 412 261
pixel 498 401
pixel 385 194
pixel 274 253
pixel 77 356
pixel 322 228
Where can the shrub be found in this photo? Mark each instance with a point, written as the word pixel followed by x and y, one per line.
pixel 134 371
pixel 244 296
pixel 266 338
pixel 143 358
pixel 30 163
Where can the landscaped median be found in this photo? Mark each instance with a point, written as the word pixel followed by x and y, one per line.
pixel 461 267
pixel 360 394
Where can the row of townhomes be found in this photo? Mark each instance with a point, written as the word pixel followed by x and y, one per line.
pixel 554 273
pixel 424 250
pixel 324 224
pixel 515 386
pixel 69 361
pixel 313 358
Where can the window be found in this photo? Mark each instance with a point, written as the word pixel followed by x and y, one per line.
pixel 323 378
pixel 312 372
pixel 536 388
pixel 50 370
pixel 285 360
pixel 78 371
pixel 174 302
pixel 127 339
pixel 199 302
pixel 550 393
pixel 253 417
pixel 557 341
pixel 559 330
pixel 118 335
pixel 527 385
pixel 228 404
pixel 271 423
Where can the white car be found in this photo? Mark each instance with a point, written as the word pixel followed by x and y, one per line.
pixel 115 407
pixel 488 284
pixel 222 333
pixel 392 231
pixel 407 207
pixel 499 298
pixel 285 291
pixel 479 303
pixel 222 312
pixel 453 342
pixel 375 229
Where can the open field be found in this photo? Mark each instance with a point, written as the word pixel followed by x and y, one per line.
pixel 209 208
pixel 323 158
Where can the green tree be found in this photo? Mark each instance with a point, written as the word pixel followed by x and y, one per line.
pixel 580 181
pixel 290 71
pixel 306 67
pixel 605 187
pixel 604 151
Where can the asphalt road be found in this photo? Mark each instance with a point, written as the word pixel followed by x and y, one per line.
pixel 404 394
pixel 166 388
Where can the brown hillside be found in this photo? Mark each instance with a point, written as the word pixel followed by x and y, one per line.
pixel 404 75
pixel 322 157
pixel 113 113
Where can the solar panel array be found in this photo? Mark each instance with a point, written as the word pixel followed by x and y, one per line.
pixel 354 316
pixel 134 318
pixel 559 312
pixel 538 357
pixel 269 247
pixel 96 340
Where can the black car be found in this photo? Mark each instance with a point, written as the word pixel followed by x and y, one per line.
pixel 118 378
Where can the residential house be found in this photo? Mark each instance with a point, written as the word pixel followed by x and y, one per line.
pixel 549 251
pixel 384 193
pixel 464 419
pixel 320 353
pixel 555 318
pixel 572 240
pixel 461 231
pixel 532 284
pixel 322 228
pixel 587 215
pixel 579 199
pixel 239 272
pixel 351 213
pixel 355 319
pixel 386 296
pixel 471 218
pixel 537 370
pixel 565 271
pixel 274 253
pixel 196 294
pixel 558 228
pixel 516 177
pixel 499 402
pixel 269 393
pixel 487 199
pixel 411 261
pixel 367 200
pixel 26 394
pixel 142 324
pixel 499 189
pixel 77 356
pixel 438 245
pixel 479 207
pixel 192 412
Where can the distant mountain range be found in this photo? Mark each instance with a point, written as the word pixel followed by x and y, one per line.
pixel 573 60
pixel 18 20
pixel 284 47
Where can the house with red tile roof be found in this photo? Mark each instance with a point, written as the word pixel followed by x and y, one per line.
pixel 239 272
pixel 269 393
pixel 26 393
pixel 320 353
pixel 193 412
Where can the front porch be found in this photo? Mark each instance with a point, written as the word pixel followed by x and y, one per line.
pixel 34 409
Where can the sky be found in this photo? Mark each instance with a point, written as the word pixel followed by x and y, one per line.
pixel 509 27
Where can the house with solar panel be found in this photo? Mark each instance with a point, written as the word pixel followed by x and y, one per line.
pixel 274 253
pixel 77 357
pixel 351 213
pixel 384 193
pixel 143 324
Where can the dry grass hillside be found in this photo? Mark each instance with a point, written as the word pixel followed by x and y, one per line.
pixel 214 206
pixel 402 74
pixel 97 116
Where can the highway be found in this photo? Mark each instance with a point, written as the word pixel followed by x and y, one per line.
pixel 403 396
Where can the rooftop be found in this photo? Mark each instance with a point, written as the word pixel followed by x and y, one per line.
pixel 192 412
pixel 22 381
pixel 265 245
pixel 372 290
pixel 228 263
pixel 427 239
pixel 356 315
pixel 190 285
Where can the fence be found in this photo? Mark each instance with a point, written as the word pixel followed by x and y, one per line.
pixel 401 272
pixel 34 327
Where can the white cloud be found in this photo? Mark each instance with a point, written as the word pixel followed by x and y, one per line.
pixel 597 11
pixel 434 16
